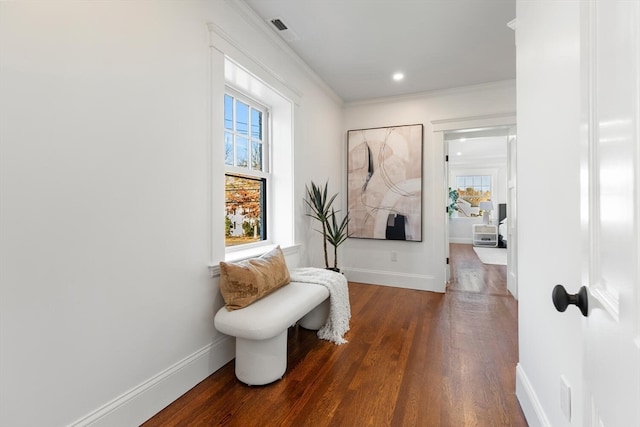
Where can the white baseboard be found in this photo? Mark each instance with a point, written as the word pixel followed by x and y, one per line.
pixel 421 282
pixel 147 399
pixel 463 240
pixel 529 401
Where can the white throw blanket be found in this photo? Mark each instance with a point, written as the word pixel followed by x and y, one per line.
pixel 339 308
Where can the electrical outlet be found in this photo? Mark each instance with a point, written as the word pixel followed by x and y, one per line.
pixel 394 256
pixel 565 397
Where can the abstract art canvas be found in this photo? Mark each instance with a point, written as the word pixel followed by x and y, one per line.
pixel 385 183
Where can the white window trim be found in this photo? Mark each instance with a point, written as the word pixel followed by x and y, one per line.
pixel 454 172
pixel 246 73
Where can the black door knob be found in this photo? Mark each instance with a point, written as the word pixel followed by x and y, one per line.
pixel 561 299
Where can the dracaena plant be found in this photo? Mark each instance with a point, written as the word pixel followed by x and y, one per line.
pixel 336 234
pixel 333 231
pixel 320 204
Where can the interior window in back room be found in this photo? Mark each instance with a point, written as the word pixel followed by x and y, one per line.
pixel 474 188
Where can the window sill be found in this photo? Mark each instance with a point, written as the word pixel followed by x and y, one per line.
pixel 214 270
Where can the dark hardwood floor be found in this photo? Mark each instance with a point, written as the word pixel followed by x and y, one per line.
pixel 414 358
pixel 468 274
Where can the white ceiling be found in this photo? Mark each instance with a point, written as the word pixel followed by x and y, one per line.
pixel 355 46
pixel 478 151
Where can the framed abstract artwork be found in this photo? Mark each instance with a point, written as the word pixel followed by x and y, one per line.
pixel 385 183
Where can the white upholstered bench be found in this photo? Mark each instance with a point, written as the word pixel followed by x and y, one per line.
pixel 261 328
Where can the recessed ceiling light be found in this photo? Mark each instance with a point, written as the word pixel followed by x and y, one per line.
pixel 398 76
pixel 458 153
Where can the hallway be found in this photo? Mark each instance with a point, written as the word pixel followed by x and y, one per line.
pixel 469 274
pixel 414 358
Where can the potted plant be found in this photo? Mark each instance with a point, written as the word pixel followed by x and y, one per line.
pixel 333 231
pixel 336 235
pixel 453 197
pixel 320 205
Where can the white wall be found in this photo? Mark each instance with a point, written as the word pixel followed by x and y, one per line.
pixel 461 229
pixel 107 200
pixel 548 162
pixel 420 265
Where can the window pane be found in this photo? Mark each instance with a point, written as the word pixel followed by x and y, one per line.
pixel 228 112
pixel 244 210
pixel 242 118
pixel 256 155
pixel 256 124
pixel 242 152
pixel 228 148
pixel 245 144
pixel 468 182
pixel 474 188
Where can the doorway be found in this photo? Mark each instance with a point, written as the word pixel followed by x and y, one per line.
pixel 477 163
pixel 497 165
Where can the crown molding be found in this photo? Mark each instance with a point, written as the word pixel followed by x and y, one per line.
pixel 507 118
pixel 502 84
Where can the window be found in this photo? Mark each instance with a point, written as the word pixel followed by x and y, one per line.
pixel 252 165
pixel 474 188
pixel 246 169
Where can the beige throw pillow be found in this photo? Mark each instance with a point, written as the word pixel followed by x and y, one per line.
pixel 244 282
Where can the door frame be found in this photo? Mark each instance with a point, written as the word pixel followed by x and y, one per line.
pixel 438 128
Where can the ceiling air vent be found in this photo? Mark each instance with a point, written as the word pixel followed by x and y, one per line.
pixel 284 31
pixel 279 24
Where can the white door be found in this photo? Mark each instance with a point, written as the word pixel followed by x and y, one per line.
pixel 610 40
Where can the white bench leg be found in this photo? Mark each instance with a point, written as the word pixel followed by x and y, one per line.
pixel 261 361
pixel 316 318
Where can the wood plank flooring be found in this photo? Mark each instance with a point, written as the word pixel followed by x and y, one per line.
pixel 414 358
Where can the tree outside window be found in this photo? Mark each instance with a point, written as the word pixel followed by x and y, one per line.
pixel 244 210
pixel 474 188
